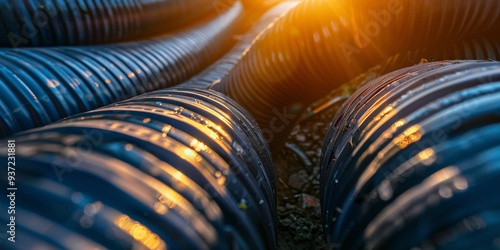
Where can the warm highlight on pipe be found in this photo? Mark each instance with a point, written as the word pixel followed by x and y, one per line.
pixel 321 44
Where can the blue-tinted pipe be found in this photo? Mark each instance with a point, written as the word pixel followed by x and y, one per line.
pixel 52 83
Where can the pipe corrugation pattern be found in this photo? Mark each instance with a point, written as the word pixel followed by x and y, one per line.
pixel 43 85
pixel 219 69
pixel 481 48
pixel 71 22
pixel 412 159
pixel 177 168
pixel 321 44
pixel 196 174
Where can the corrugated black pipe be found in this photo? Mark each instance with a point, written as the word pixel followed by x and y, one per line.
pixel 216 71
pixel 43 85
pixel 185 168
pixel 480 47
pixel 412 156
pixel 321 44
pixel 71 22
pixel 172 169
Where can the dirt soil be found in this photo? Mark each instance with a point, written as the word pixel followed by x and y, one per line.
pixel 298 168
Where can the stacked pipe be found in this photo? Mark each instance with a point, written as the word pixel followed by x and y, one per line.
pixel 412 160
pixel 189 168
pixel 321 44
pixel 181 168
pixel 43 85
pixel 326 44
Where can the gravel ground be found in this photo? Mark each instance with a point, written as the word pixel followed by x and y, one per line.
pixel 297 170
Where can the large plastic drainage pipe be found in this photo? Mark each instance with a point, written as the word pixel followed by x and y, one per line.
pixel 43 85
pixel 321 44
pixel 217 70
pixel 178 169
pixel 412 159
pixel 71 22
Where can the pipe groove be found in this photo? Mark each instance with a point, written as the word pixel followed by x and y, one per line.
pixel 401 133
pixel 62 81
pixel 325 44
pixel 67 22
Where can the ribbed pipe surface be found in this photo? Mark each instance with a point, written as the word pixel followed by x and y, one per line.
pixel 178 169
pixel 71 22
pixel 43 85
pixel 217 70
pixel 321 44
pixel 410 158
